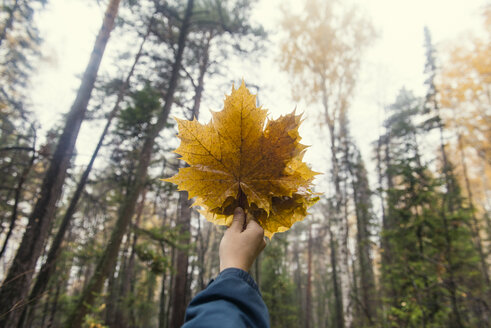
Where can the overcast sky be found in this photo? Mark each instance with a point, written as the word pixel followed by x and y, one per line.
pixel 396 59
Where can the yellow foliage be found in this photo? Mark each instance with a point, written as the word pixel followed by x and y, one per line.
pixel 322 50
pixel 465 97
pixel 240 158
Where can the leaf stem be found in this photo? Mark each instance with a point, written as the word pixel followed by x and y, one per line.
pixel 241 197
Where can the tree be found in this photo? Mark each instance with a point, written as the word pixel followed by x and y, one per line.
pixel 48 267
pixel 424 272
pixel 452 200
pixel 213 25
pixel 464 88
pixel 277 285
pixel 322 53
pixel 364 222
pixel 19 40
pixel 16 285
pixel 19 49
pixel 108 259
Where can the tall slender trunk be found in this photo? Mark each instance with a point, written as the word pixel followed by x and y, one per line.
pixel 180 279
pixel 108 258
pixel 112 293
pixel 367 281
pixel 45 313
pixel 475 223
pixel 338 298
pixel 54 306
pixel 16 286
pixel 171 284
pixel 162 310
pixel 449 205
pixel 127 272
pixel 17 197
pixel 390 290
pixel 181 284
pixel 204 234
pixel 330 119
pixel 308 291
pixel 297 279
pixel 55 249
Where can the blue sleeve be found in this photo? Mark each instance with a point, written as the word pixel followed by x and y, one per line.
pixel 231 300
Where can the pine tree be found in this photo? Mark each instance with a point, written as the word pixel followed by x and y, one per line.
pixel 16 286
pixel 424 271
pixel 277 286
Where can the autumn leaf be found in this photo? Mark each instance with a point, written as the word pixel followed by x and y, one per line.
pixel 240 158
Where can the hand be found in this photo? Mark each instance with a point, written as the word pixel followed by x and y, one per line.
pixel 239 249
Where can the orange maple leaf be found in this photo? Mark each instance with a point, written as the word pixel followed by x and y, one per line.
pixel 242 159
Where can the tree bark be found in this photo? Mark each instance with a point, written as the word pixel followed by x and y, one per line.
pixel 107 261
pixel 475 223
pixel 180 279
pixel 361 195
pixel 162 309
pixel 127 272
pixel 338 298
pixel 338 293
pixel 308 294
pixel 55 249
pixel 181 283
pixel 16 286
pixel 17 197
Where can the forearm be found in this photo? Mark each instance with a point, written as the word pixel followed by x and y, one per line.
pixel 231 300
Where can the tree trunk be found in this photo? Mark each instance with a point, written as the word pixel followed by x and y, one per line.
pixel 162 310
pixel 181 282
pixel 361 195
pixel 330 120
pixel 127 272
pixel 107 261
pixel 475 223
pixel 55 249
pixel 171 284
pixel 338 298
pixel 308 292
pixel 112 295
pixel 297 279
pixel 17 197
pixel 16 285
pixel 180 279
pixel 388 224
pixel 54 306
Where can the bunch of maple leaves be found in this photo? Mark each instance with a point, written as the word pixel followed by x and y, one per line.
pixel 242 159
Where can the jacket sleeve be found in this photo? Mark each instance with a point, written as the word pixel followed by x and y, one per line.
pixel 231 300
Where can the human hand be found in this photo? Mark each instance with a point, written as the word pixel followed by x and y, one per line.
pixel 239 249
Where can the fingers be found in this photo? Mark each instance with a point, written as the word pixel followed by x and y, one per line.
pixel 249 218
pixel 255 228
pixel 238 220
pixel 263 245
pixel 252 227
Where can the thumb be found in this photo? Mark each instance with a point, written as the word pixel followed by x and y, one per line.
pixel 238 220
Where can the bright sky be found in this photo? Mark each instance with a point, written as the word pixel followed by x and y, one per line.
pixel 395 60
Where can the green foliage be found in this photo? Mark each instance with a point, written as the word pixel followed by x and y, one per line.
pixel 134 119
pixel 430 245
pixel 277 287
pixel 151 250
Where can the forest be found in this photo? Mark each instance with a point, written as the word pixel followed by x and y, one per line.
pixel 92 235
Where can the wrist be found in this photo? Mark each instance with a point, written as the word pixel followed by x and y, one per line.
pixel 240 266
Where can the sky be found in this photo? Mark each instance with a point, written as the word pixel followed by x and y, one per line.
pixel 395 59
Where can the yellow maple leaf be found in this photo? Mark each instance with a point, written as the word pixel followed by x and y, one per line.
pixel 242 159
